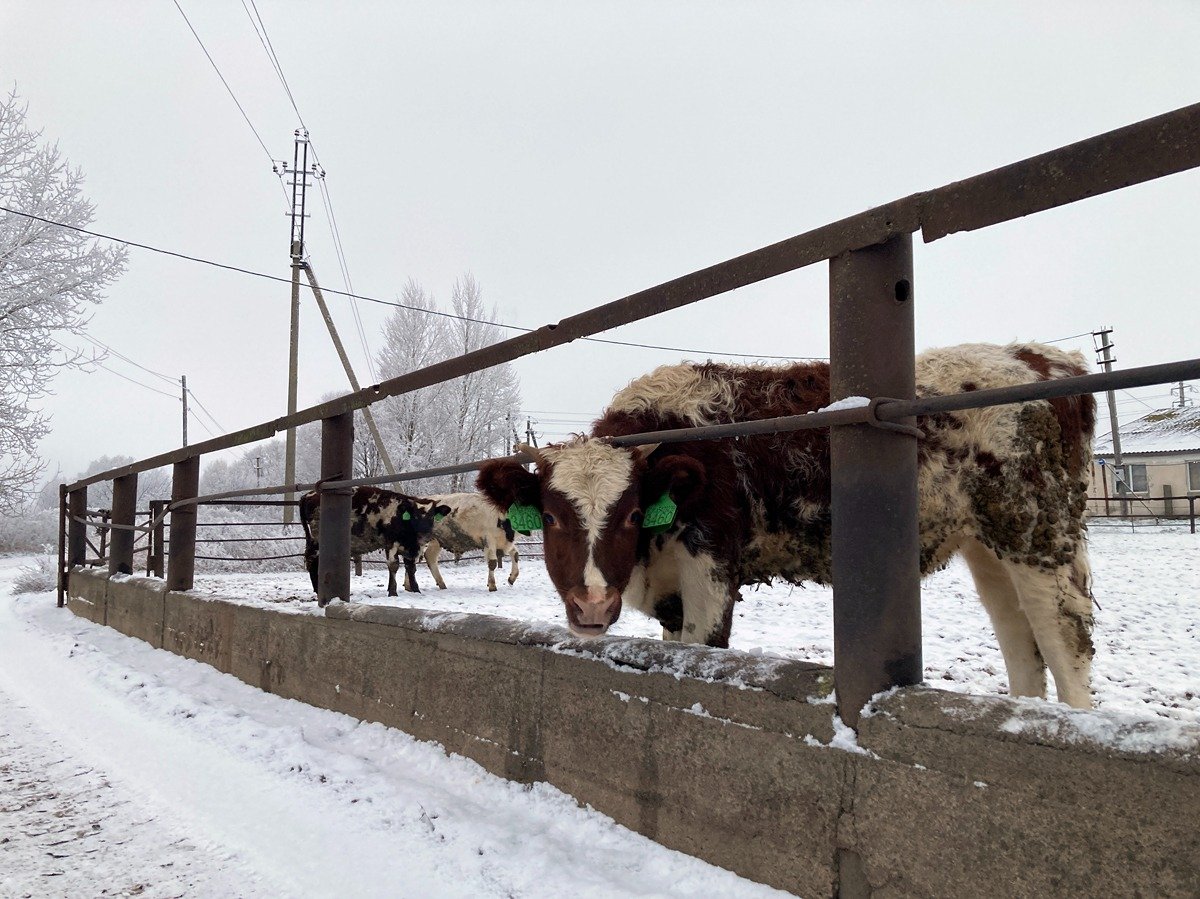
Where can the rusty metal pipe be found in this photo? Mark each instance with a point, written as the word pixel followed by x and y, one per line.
pixel 123 525
pixel 181 561
pixel 876 546
pixel 337 461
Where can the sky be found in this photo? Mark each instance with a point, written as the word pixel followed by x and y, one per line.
pixel 568 154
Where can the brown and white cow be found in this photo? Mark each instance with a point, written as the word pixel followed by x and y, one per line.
pixel 472 523
pixel 1004 486
pixel 395 523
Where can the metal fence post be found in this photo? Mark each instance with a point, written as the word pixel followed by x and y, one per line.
pixel 154 558
pixel 876 546
pixel 77 527
pixel 124 512
pixel 62 544
pixel 181 564
pixel 337 463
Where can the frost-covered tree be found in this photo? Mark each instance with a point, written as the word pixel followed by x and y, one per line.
pixel 481 402
pixel 49 278
pixel 456 421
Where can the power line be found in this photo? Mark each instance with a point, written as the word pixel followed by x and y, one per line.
pixel 260 29
pixel 150 371
pixel 220 426
pixel 217 69
pixel 369 299
pixel 1062 339
pixel 265 39
pixel 113 371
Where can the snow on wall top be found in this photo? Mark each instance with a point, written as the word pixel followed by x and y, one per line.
pixel 1165 431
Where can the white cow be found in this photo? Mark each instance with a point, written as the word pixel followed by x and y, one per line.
pixel 472 523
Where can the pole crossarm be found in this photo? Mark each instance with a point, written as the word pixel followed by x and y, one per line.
pixel 1140 152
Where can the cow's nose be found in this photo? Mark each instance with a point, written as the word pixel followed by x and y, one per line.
pixel 594 606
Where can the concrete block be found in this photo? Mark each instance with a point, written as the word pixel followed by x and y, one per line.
pixel 87 590
pixel 135 607
pixel 961 802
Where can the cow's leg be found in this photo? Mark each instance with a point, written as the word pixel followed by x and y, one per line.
pixel 432 550
pixel 1059 608
pixel 410 573
pixel 393 565
pixel 708 601
pixel 311 555
pixel 357 565
pixel 489 553
pixel 669 612
pixel 998 594
pixel 512 575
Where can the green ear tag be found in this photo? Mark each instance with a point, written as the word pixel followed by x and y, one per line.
pixel 524 518
pixel 439 516
pixel 407 516
pixel 660 514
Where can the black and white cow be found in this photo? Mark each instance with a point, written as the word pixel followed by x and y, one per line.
pixel 1004 486
pixel 397 524
pixel 472 523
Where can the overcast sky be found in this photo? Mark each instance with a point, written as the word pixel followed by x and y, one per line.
pixel 568 154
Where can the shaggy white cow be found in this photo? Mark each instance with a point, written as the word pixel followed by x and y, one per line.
pixel 472 523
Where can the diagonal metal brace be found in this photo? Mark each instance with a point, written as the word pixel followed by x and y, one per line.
pixel 873 419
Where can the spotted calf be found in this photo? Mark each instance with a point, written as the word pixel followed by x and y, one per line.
pixel 397 524
pixel 1004 486
pixel 472 523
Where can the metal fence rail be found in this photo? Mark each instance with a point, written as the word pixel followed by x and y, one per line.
pixel 876 579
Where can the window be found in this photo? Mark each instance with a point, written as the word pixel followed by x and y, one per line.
pixel 1194 477
pixel 1134 477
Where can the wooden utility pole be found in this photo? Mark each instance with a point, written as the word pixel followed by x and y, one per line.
pixel 299 172
pixel 1103 342
pixel 183 395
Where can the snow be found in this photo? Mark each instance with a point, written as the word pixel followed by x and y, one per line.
pixel 131 770
pixel 850 402
pixel 1172 430
pixel 1147 631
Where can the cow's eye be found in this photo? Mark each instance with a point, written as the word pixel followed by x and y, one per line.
pixel 549 520
pixel 635 517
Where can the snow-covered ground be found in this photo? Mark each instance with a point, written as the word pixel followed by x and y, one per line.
pixel 1147 636
pixel 126 770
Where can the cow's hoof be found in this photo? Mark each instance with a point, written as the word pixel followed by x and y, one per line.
pixel 511 581
pixel 491 588
pixel 441 586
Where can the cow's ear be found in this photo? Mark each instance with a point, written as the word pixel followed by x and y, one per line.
pixel 683 477
pixel 441 509
pixel 505 483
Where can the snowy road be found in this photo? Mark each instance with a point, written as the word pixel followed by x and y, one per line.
pixel 130 771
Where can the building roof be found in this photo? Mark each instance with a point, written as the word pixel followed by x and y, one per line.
pixel 1172 430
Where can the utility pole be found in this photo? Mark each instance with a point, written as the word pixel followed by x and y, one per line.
pixel 1102 340
pixel 299 172
pixel 183 394
pixel 530 437
pixel 258 470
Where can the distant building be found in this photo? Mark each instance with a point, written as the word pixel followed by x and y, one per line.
pixel 1160 453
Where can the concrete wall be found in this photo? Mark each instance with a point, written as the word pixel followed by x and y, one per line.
pixel 724 755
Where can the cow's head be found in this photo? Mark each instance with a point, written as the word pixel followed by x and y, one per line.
pixel 424 514
pixel 592 497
